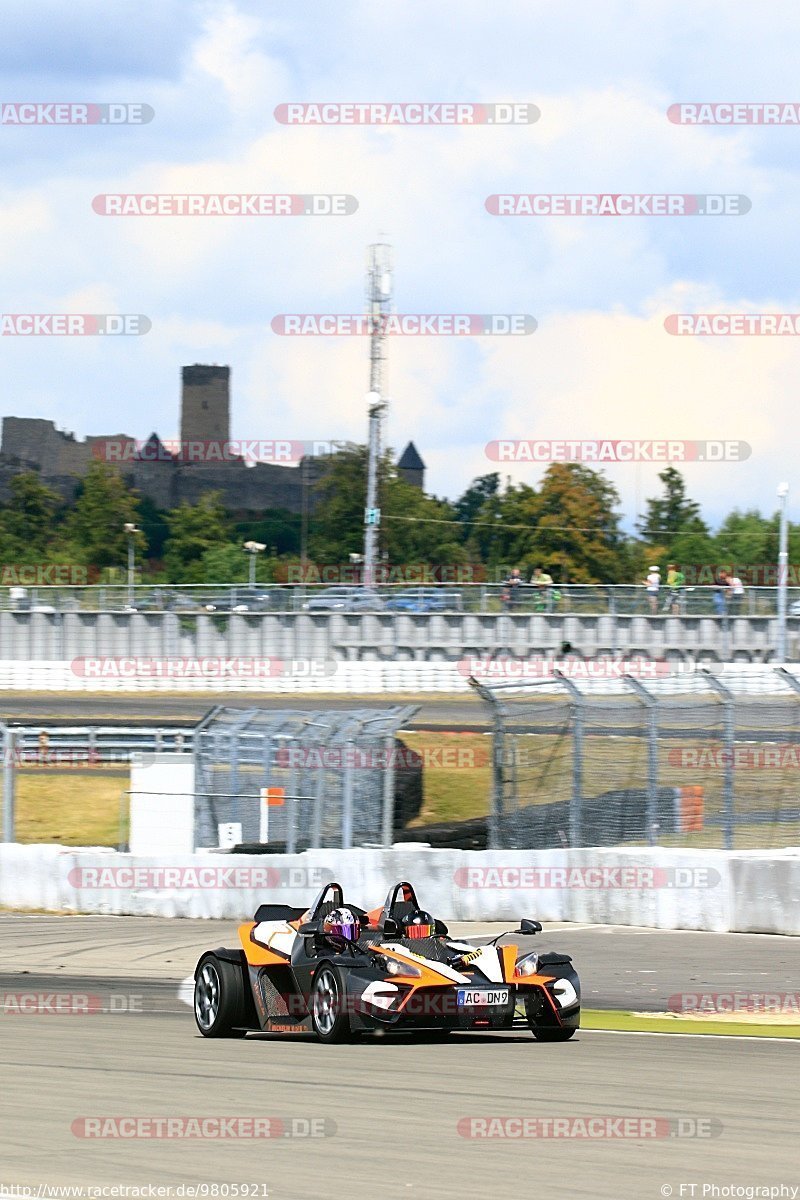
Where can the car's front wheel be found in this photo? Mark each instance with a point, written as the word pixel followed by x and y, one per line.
pixel 329 1015
pixel 219 998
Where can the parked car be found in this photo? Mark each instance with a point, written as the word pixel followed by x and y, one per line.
pixel 425 600
pixel 345 599
pixel 256 601
pixel 20 599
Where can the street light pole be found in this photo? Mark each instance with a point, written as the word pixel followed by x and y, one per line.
pixel 131 531
pixel 253 549
pixel 783 571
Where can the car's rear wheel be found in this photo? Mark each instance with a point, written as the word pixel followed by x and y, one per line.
pixel 329 1015
pixel 554 1035
pixel 219 998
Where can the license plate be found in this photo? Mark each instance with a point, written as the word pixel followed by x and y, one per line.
pixel 482 997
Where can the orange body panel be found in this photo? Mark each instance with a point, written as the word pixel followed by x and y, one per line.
pixel 258 956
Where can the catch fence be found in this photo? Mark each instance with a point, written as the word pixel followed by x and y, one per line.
pixel 297 779
pixel 687 761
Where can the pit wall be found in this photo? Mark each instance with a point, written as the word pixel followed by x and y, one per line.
pixel 714 890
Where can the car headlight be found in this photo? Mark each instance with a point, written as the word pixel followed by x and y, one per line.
pixel 527 965
pixel 393 967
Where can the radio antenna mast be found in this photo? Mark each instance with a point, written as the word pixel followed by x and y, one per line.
pixel 379 296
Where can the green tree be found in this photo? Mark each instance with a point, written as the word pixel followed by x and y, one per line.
pixel 570 526
pixel 419 528
pixel 671 513
pixel 229 563
pixel 94 528
pixel 28 521
pixel 475 497
pixel 336 529
pixel 194 529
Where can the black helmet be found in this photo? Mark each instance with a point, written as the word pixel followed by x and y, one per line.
pixel 419 924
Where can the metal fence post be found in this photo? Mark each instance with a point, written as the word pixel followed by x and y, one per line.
pixel 612 611
pixel 728 737
pixel 387 830
pixel 317 820
pixel 576 799
pixel 497 805
pixel 9 781
pixel 347 799
pixel 291 815
pixel 651 704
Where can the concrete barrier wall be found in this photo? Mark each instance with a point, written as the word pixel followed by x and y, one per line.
pixel 658 888
pixel 383 636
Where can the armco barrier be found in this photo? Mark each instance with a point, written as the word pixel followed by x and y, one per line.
pixel 658 888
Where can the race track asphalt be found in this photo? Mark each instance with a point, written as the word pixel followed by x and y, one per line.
pixel 392 1107
pixel 118 708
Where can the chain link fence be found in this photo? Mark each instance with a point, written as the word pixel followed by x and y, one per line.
pixel 345 777
pixel 680 762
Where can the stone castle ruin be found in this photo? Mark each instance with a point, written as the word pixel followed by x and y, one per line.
pixel 205 459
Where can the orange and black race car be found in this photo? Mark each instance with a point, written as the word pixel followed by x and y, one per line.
pixel 336 970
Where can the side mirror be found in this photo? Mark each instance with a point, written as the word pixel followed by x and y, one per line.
pixel 308 928
pixel 530 927
pixel 391 928
pixel 441 928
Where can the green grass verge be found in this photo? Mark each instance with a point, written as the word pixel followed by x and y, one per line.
pixel 91 808
pixel 635 1022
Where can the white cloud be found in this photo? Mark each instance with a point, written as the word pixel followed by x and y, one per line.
pixel 600 364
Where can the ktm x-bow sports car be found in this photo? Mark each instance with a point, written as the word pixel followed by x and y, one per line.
pixel 337 970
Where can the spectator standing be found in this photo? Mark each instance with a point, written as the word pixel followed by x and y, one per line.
pixel 721 592
pixel 735 594
pixel 544 589
pixel 512 590
pixel 653 585
pixel 676 581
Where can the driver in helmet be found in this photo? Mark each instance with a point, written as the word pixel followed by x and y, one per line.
pixel 419 924
pixel 342 924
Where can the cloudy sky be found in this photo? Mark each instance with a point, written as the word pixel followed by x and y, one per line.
pixel 601 365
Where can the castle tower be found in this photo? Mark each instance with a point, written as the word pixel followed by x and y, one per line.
pixel 205 404
pixel 411 468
